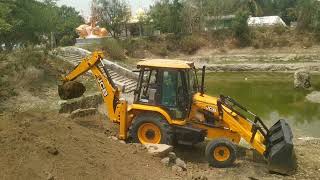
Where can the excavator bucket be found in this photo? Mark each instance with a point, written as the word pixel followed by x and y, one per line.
pixel 71 89
pixel 280 153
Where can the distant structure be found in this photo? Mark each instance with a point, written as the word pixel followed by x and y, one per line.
pixel 219 22
pixel 266 21
pixel 91 33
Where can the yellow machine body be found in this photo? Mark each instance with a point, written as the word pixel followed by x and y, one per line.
pixel 226 122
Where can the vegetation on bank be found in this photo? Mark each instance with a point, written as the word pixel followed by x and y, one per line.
pixel 33 22
pixel 185 25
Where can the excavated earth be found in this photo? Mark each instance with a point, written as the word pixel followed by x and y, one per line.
pixel 36 142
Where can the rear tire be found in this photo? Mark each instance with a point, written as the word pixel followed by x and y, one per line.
pixel 221 153
pixel 151 128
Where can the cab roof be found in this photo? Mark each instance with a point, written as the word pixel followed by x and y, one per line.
pixel 166 63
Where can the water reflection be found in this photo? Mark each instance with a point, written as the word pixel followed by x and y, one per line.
pixel 271 96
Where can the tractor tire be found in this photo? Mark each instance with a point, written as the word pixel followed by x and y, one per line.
pixel 221 153
pixel 151 128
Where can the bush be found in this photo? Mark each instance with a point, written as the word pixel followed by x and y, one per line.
pixel 270 37
pixel 113 49
pixel 159 50
pixel 241 29
pixel 190 44
pixel 134 47
pixel 67 40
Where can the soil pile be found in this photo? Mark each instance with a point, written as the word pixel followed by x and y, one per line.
pixel 45 145
pixel 71 89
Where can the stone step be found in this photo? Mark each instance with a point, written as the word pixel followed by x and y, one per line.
pixel 123 80
pixel 117 78
pixel 132 83
pixel 132 86
pixel 73 57
pixel 127 81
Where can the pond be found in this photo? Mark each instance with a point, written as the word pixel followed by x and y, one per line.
pixel 271 96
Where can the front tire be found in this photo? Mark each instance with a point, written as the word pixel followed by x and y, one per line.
pixel 151 128
pixel 221 153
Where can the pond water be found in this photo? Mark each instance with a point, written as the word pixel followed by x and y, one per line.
pixel 272 97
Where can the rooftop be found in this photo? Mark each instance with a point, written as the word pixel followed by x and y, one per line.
pixel 166 63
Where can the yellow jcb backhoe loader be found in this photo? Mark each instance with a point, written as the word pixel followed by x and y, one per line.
pixel 170 107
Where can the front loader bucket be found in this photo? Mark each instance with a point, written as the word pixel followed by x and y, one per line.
pixel 280 153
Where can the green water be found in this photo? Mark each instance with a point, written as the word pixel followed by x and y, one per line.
pixel 271 96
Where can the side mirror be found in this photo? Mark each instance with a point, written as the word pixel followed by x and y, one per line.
pixel 202 80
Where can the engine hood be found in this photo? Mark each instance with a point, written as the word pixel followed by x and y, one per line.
pixel 205 99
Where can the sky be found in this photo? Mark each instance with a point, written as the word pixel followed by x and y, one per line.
pixel 83 6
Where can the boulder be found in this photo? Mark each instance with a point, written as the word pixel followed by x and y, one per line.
pixel 84 102
pixel 83 112
pixel 160 150
pixel 165 161
pixel 172 156
pixel 201 177
pixel 176 168
pixel 302 79
pixel 181 164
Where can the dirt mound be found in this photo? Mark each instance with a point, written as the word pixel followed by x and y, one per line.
pixel 70 90
pixel 39 145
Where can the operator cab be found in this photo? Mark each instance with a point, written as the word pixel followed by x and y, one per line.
pixel 169 84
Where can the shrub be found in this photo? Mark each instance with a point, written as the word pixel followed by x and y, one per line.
pixel 241 29
pixel 134 47
pixel 67 40
pixel 270 37
pixel 190 44
pixel 159 50
pixel 113 49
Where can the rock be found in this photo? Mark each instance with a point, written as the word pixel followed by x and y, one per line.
pixel 122 142
pixel 302 79
pixel 172 156
pixel 314 97
pixel 83 112
pixel 308 138
pixel 160 150
pixel 84 102
pixel 176 168
pixel 165 161
pixel 202 177
pixel 114 138
pixel 52 150
pixel 50 177
pixel 181 164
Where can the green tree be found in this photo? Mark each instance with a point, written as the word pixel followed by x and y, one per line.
pixel 167 16
pixel 24 22
pixel 241 29
pixel 114 15
pixel 309 16
pixel 67 19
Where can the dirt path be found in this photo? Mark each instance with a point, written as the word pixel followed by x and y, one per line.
pixel 250 59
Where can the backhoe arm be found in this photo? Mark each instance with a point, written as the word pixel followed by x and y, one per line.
pixel 85 65
pixel 108 90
